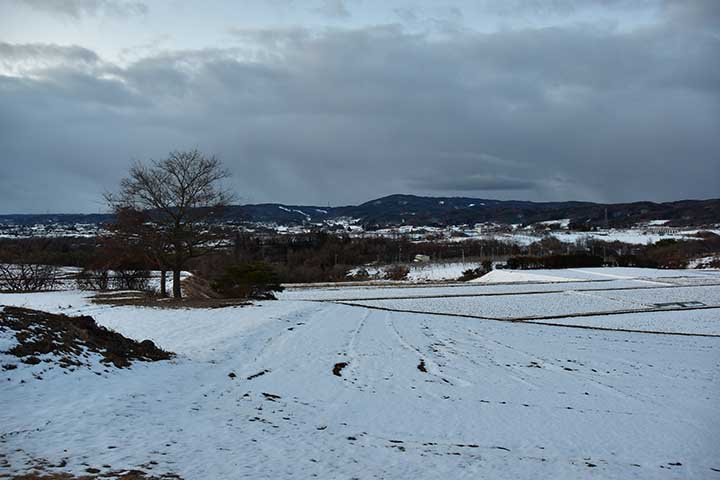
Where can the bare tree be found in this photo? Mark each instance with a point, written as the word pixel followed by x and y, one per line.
pixel 27 277
pixel 179 195
pixel 135 234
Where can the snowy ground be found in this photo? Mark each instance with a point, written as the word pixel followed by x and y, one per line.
pixel 421 396
pixel 452 271
pixel 637 236
pixel 424 272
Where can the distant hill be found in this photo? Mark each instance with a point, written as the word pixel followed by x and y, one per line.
pixel 442 211
pixel 55 218
pixel 396 210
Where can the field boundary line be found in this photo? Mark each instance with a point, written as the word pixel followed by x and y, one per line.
pixel 533 320
pixel 500 294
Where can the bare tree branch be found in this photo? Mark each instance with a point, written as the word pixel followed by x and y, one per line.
pixel 177 195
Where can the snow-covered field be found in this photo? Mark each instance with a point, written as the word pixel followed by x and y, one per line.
pixel 636 236
pixel 420 396
pixel 517 306
pixel 424 272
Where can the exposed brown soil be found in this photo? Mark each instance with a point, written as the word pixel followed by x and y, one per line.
pixel 259 374
pixel 338 368
pixel 70 338
pixel 421 366
pixel 141 299
pixel 118 475
pixel 197 287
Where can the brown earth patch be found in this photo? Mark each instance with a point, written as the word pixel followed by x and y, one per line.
pixel 116 475
pixel 70 338
pixel 338 368
pixel 421 366
pixel 143 299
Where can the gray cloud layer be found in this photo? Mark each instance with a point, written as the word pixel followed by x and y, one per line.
pixel 80 8
pixel 584 112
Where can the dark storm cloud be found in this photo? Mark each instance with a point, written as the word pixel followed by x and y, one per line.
pixel 80 8
pixel 339 116
pixel 474 183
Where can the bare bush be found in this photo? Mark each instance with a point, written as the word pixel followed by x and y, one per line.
pixel 256 280
pixel 28 277
pixel 93 279
pixel 397 272
pixel 361 275
pixel 472 274
pixel 131 280
pixel 103 279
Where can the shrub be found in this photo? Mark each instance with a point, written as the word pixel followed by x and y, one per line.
pixel 471 274
pixel 361 275
pixel 28 277
pixel 131 280
pixel 397 272
pixel 642 261
pixel 555 261
pixel 90 279
pixel 102 279
pixel 255 280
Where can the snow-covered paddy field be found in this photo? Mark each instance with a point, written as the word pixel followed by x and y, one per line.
pixel 421 395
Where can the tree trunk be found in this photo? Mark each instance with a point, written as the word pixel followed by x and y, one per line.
pixel 177 293
pixel 163 281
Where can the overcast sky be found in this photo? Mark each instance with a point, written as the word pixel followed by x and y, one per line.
pixel 337 102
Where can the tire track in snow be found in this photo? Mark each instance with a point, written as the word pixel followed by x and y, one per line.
pixel 275 340
pixel 351 355
pixel 514 373
pixel 432 367
pixel 558 368
pixel 543 320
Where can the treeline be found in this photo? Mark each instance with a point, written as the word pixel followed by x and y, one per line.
pixel 60 251
pixel 671 253
pixel 323 257
pixel 574 260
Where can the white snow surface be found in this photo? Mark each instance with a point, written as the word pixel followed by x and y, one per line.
pixel 512 276
pixel 637 236
pixel 498 399
pixel 690 321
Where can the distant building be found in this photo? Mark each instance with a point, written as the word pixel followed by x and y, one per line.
pixel 421 258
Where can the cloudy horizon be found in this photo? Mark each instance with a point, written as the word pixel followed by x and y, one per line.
pixel 338 102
